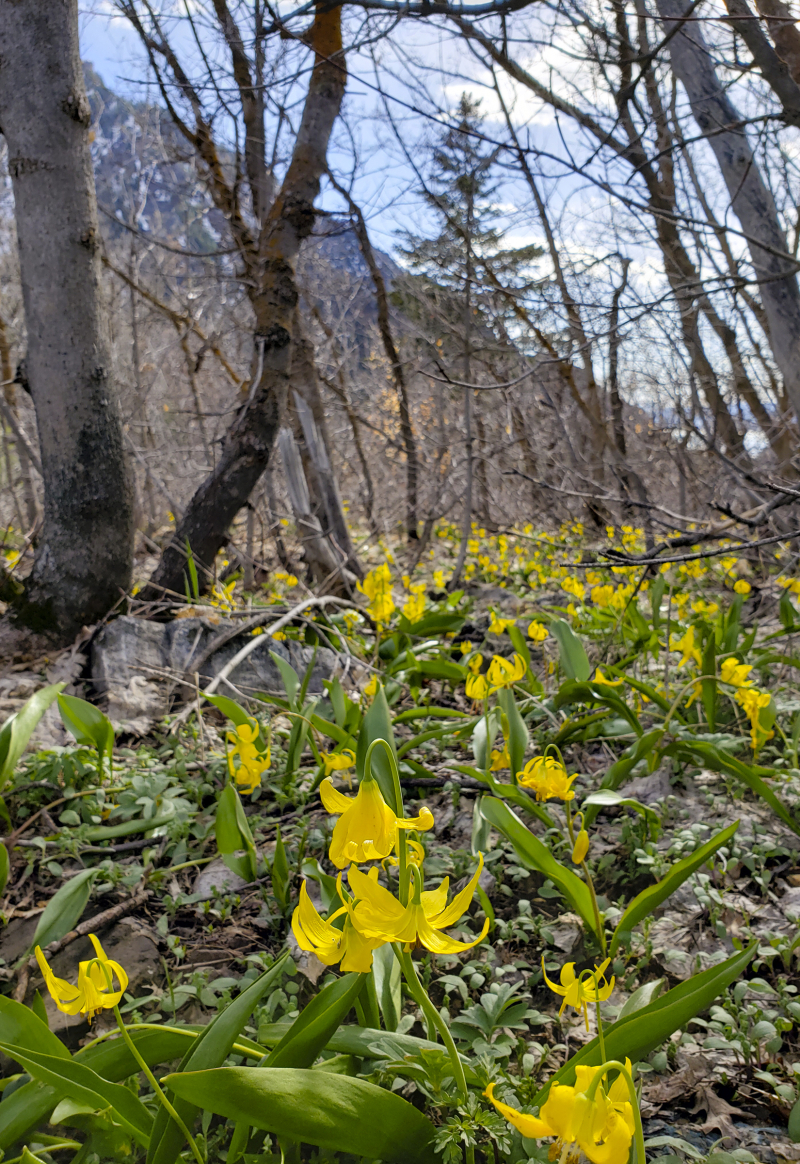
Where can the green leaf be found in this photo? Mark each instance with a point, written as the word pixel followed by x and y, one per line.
pixel 29 1104
pixel 517 730
pixel 718 761
pixel 520 645
pixel 127 827
pixel 638 1034
pixel 331 1111
pixel 65 908
pixel 574 659
pixel 17 730
pixel 608 798
pixel 709 685
pixel 618 772
pixel 786 613
pixel 388 985
pixel 85 1086
pixel 234 836
pixel 291 680
pixel 535 855
pixel 5 868
pixel 649 899
pixel 437 622
pixel 309 1033
pixel 230 708
pixel 279 872
pixel 20 1027
pixel 794 1123
pixel 87 724
pixel 377 725
pixel 209 1050
pixel 327 884
pixel 483 737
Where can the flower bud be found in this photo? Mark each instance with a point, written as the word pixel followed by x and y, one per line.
pixel 581 847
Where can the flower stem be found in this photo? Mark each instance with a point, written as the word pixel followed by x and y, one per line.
pixel 598 921
pixel 600 1035
pixel 157 1087
pixel 432 1015
pixel 638 1130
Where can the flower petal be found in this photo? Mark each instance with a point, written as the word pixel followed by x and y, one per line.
pixel 438 943
pixel 335 802
pixel 461 902
pixel 531 1127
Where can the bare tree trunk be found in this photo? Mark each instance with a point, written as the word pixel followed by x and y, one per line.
pixel 751 200
pixel 250 439
pixel 85 553
pixel 784 33
pixel 10 396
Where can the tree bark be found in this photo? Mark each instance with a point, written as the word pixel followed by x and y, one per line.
pixel 773 69
pixel 84 556
pixel 751 200
pixel 274 299
pixel 784 33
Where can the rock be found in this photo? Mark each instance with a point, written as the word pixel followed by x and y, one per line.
pixel 136 664
pixel 217 876
pixel 649 789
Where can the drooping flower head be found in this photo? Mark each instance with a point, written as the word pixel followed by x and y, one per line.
pixel 547 777
pixel 95 990
pixel 329 942
pixel 578 990
pixel 379 915
pixel 505 672
pixel 246 763
pixel 601 1128
pixel 735 673
pixel 367 828
pixel 377 586
pixel 337 761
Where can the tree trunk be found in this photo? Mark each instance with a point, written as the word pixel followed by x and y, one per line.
pixel 85 554
pixel 250 439
pixel 784 33
pixel 751 200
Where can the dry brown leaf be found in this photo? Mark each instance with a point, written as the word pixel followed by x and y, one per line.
pixel 718 1114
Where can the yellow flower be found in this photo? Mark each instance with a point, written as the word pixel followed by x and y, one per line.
pixel 465 647
pixel 476 686
pixel 500 759
pixel 599 677
pixel 337 761
pixel 498 625
pixel 735 673
pixel 317 936
pixel 377 586
pixel 547 777
pixel 379 915
pixel 505 672
pixel 95 981
pixel 574 586
pixel 251 763
pixel 578 990
pixel 370 688
pixel 581 847
pixel 602 1129
pixel 688 648
pixel 602 595
pixel 438 579
pixel 742 586
pixel 414 608
pixel 367 829
pixel 754 702
pixel 538 632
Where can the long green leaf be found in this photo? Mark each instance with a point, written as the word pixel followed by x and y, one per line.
pixel 535 855
pixel 65 908
pixel 640 1033
pixel 718 761
pixel 208 1051
pixel 17 731
pixel 331 1111
pixel 316 1023
pixel 87 724
pixel 517 730
pixel 573 657
pixel 233 835
pixel 377 725
pixel 5 867
pixel 388 985
pixel 619 771
pixel 19 1027
pixel 86 1086
pixel 649 899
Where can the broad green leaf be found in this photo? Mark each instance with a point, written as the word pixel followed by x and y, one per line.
pixel 572 691
pixel 437 733
pixel 291 680
pixel 233 835
pixel 435 623
pixel 112 1059
pixel 649 899
pixel 19 1027
pixel 638 1034
pixel 517 731
pixel 330 1111
pixel 387 975
pixel 17 731
pixel 86 1086
pixel 126 827
pixel 377 725
pixel 536 855
pixel 24 1110
pixel 338 700
pixel 209 1050
pixel 316 1023
pixel 65 908
pixel 608 798
pixel 363 1042
pixel 573 657
pixel 794 1121
pixel 520 645
pixel 87 724
pixel 230 708
pixel 641 997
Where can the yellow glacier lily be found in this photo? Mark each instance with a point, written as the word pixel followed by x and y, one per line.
pixel 378 913
pixel 367 828
pixel 547 777
pixel 601 1128
pixel 505 672
pixel 578 990
pixel 252 764
pixel 317 936
pixel 95 981
pixel 337 761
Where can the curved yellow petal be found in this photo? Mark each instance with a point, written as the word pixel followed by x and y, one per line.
pixel 422 823
pixel 559 1111
pixel 315 927
pixel 358 949
pixel 460 902
pixel 67 997
pixel 531 1127
pixel 568 974
pixel 553 986
pixel 438 943
pixel 435 900
pixel 335 802
pixel 616 1142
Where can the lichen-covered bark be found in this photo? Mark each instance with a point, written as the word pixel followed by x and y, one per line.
pixel 85 552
